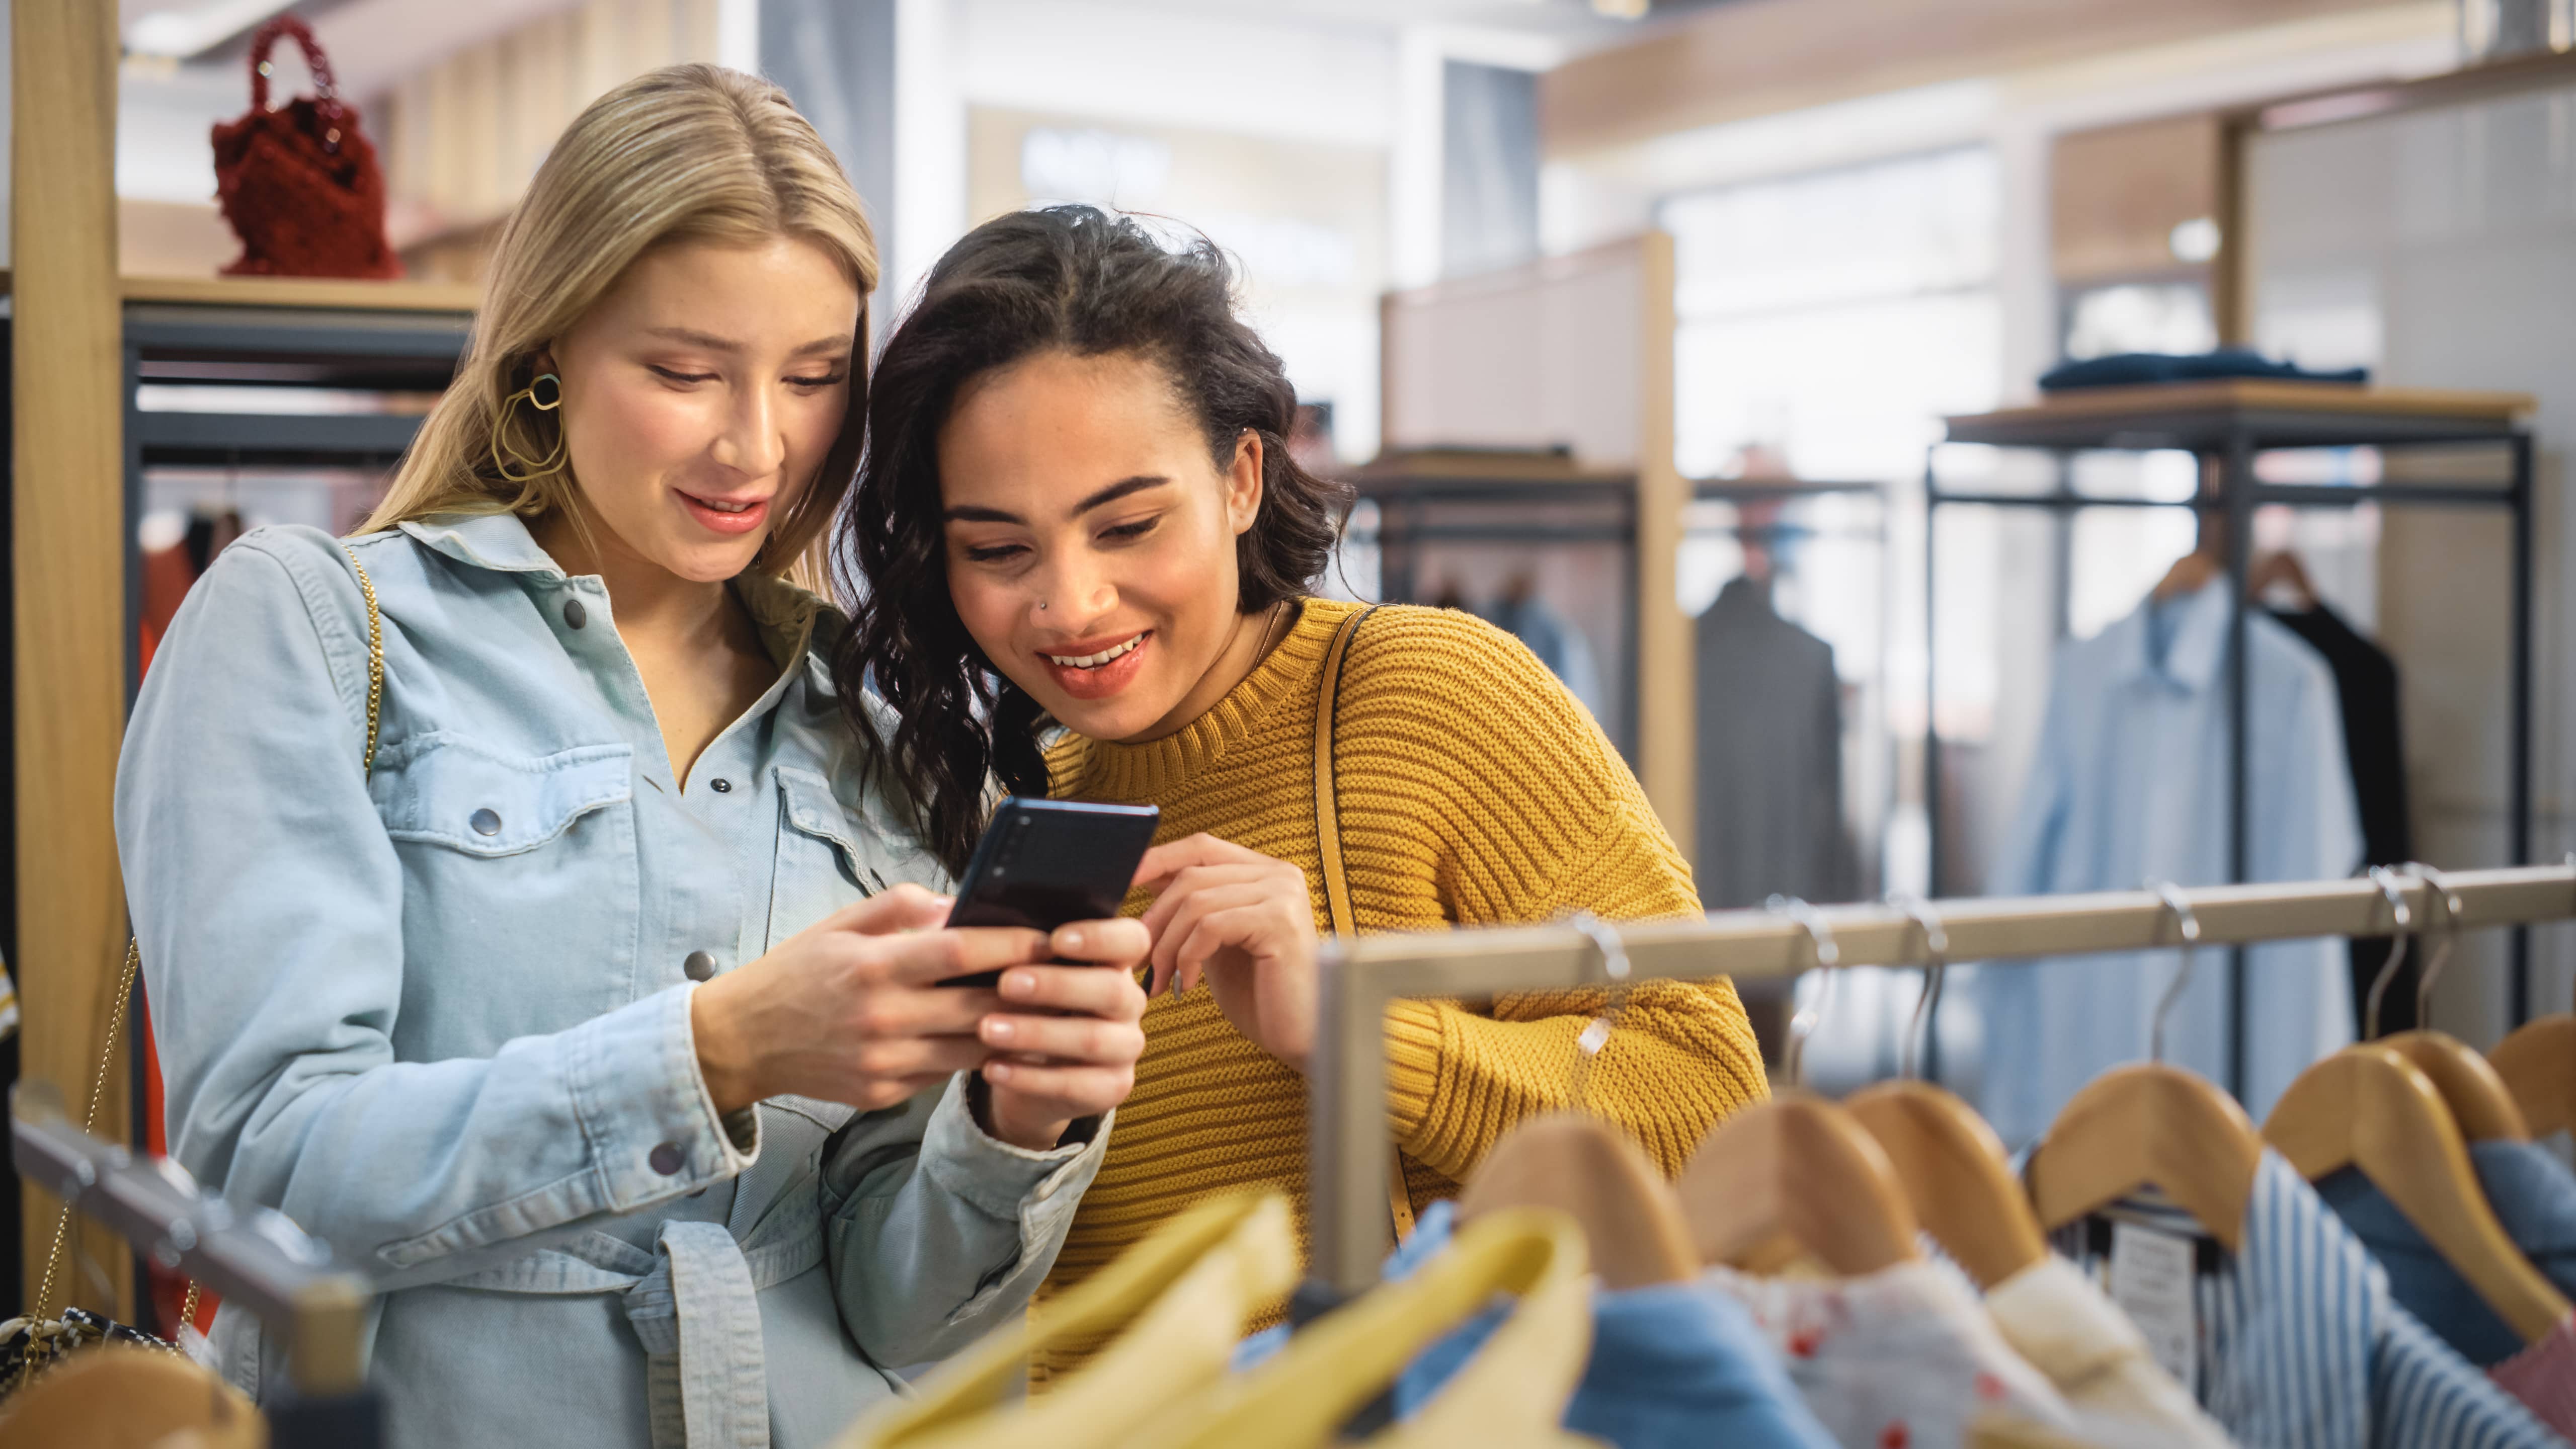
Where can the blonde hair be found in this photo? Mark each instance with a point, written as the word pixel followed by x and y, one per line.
pixel 686 153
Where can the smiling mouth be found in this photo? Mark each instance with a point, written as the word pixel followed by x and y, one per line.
pixel 721 506
pixel 1094 661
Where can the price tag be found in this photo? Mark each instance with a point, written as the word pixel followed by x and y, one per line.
pixel 2151 1280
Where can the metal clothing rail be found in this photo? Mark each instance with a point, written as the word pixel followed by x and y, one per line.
pixel 256 1259
pixel 1346 1078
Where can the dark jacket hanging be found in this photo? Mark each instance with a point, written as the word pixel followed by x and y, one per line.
pixel 2366 681
pixel 1770 797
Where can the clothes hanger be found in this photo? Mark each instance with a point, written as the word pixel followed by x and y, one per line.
pixel 1512 1393
pixel 2538 1065
pixel 2281 567
pixel 2479 1100
pixel 1584 1166
pixel 2370 1108
pixel 1948 1161
pixel 1797 1168
pixel 2150 1124
pixel 1167 1313
pixel 2189 575
pixel 125 1394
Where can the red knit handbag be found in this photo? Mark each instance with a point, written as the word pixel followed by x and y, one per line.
pixel 300 184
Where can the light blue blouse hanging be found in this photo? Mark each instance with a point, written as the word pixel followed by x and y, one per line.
pixel 2130 786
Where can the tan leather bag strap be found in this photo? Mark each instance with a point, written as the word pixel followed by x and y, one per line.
pixel 1328 815
pixel 134 944
pixel 1328 847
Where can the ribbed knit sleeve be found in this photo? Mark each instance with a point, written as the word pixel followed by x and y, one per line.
pixel 1533 815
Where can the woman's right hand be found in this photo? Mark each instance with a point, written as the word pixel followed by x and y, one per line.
pixel 850 1010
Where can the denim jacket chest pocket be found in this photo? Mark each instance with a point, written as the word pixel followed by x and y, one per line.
pixel 519 857
pixel 828 857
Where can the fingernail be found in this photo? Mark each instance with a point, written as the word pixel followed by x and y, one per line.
pixel 996 1029
pixel 997 1071
pixel 1018 983
pixel 1072 940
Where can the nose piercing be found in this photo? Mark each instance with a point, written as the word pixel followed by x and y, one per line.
pixel 1041 606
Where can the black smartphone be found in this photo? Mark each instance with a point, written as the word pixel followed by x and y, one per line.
pixel 1044 863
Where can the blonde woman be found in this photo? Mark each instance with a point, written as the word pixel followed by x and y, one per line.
pixel 595 1011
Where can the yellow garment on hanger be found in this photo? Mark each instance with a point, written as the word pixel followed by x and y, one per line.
pixel 1513 1393
pixel 1182 1297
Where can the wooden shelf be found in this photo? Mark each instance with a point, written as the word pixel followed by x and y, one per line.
pixel 2277 412
pixel 307 292
pixel 327 293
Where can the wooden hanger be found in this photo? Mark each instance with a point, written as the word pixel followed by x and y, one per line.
pixel 2537 1065
pixel 2189 575
pixel 1800 1168
pixel 1585 1167
pixel 122 1394
pixel 2368 1107
pixel 1948 1161
pixel 2151 1125
pixel 1954 1174
pixel 2283 568
pixel 2480 1102
pixel 2148 1125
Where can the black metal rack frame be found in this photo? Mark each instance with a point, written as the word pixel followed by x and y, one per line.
pixel 1403 501
pixel 2231 436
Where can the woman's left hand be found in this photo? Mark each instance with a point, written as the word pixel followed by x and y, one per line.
pixel 1246 924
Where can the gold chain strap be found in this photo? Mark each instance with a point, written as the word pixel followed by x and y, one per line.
pixel 134 946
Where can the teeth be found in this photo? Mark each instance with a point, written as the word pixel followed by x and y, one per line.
pixel 1094 661
pixel 723 507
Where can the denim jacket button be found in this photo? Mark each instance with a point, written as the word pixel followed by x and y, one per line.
pixel 574 614
pixel 666 1160
pixel 721 785
pixel 485 821
pixel 699 964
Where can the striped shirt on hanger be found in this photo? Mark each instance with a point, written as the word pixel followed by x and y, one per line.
pixel 2300 1344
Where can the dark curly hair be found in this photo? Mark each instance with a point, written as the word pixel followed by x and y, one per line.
pixel 1083 281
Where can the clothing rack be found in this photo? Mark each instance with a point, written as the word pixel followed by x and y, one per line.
pixel 2224 424
pixel 257 1260
pixel 1346 1076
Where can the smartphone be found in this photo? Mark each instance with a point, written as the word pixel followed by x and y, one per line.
pixel 1044 863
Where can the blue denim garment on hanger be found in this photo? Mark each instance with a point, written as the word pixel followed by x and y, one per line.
pixel 440 1015
pixel 2534 1196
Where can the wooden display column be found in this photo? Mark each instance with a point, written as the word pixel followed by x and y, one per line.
pixel 1667 761
pixel 68 526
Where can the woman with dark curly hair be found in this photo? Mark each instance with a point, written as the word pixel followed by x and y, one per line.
pixel 1086 560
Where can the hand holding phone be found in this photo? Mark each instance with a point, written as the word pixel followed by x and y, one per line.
pixel 1042 864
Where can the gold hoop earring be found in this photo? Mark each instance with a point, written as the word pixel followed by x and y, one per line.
pixel 544 392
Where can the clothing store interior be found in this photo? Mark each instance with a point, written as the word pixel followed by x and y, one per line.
pixel 1973 727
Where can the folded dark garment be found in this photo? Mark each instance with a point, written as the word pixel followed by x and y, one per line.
pixel 2128 369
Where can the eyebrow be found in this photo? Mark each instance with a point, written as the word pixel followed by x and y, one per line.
pixel 714 343
pixel 972 513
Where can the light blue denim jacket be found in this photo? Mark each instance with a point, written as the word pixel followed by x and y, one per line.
pixel 440 1018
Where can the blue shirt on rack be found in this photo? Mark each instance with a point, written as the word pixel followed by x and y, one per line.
pixel 2130 785
pixel 2534 1196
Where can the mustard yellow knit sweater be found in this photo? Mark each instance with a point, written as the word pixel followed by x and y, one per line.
pixel 1472 789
